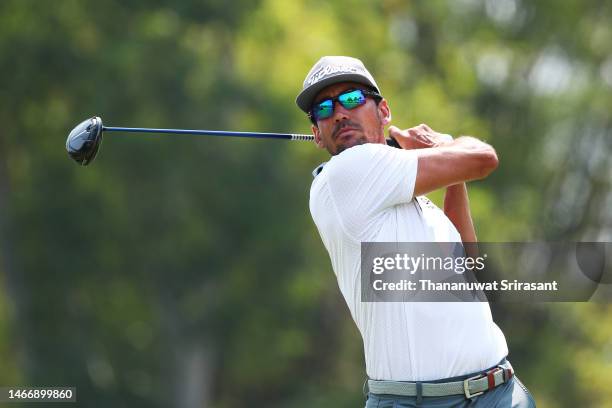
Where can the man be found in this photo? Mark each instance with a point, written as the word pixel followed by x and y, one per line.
pixel 417 353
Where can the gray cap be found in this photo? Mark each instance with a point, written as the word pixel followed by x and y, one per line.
pixel 331 70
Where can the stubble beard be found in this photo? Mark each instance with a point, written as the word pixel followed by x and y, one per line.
pixel 353 141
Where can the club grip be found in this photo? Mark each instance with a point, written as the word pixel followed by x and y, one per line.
pixel 393 143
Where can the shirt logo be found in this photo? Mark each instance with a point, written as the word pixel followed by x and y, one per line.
pixel 426 202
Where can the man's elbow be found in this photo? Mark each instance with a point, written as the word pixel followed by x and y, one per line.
pixel 487 162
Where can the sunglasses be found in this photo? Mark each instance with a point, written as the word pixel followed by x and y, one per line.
pixel 349 100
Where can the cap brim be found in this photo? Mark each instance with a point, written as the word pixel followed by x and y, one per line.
pixel 306 97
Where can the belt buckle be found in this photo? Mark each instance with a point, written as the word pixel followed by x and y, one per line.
pixel 466 386
pixel 508 373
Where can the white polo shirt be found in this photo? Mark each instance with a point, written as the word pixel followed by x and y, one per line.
pixel 364 194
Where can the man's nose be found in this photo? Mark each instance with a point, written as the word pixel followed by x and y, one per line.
pixel 340 112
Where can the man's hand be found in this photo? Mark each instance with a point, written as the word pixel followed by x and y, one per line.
pixel 418 137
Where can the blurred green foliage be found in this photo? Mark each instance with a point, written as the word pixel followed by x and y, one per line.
pixel 183 271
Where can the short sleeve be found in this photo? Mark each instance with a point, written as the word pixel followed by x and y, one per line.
pixel 367 180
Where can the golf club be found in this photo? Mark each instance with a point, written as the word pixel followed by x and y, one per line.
pixel 84 140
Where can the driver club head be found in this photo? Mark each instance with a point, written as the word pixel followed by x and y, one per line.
pixel 84 140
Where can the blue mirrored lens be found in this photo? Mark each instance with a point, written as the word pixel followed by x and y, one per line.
pixel 353 99
pixel 324 109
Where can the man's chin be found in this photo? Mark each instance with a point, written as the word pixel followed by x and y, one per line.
pixel 348 143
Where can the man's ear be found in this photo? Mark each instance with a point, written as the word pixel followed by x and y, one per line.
pixel 385 112
pixel 317 136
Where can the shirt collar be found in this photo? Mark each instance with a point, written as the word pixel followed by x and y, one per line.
pixel 318 170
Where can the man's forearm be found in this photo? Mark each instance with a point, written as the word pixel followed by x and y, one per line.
pixel 457 209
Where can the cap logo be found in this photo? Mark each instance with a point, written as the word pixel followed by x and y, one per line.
pixel 332 69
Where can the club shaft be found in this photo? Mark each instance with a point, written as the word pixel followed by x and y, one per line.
pixel 286 136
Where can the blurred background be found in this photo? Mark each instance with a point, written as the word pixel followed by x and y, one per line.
pixel 185 271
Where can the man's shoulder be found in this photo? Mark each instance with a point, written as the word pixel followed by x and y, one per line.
pixel 355 156
pixel 353 163
pixel 360 151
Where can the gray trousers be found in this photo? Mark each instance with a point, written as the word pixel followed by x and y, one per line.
pixel 512 394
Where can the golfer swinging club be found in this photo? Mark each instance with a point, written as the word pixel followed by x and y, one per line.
pixel 425 354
